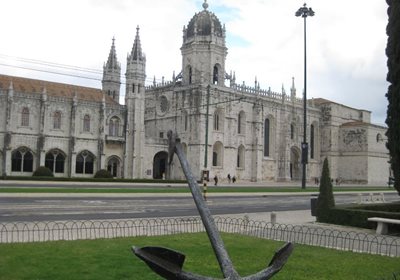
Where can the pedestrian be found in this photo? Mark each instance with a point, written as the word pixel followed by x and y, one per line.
pixel 215 180
pixel 233 179
pixel 229 178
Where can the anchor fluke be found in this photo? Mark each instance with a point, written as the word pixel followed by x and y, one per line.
pixel 165 262
pixel 281 256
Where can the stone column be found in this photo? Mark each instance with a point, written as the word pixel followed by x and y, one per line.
pixel 71 151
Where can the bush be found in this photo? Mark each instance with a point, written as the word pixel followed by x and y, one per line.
pixel 357 216
pixel 43 171
pixel 80 179
pixel 325 200
pixel 102 173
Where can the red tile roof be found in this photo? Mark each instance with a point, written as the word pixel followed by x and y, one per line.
pixel 32 86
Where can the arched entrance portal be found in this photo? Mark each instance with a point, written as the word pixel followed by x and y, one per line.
pixel 114 166
pixel 295 164
pixel 160 165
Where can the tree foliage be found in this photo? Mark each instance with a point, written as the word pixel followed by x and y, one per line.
pixel 325 201
pixel 43 171
pixel 102 173
pixel 393 94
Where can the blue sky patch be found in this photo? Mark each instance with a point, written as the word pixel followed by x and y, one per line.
pixel 233 40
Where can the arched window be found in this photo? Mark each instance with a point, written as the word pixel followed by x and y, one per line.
pixel 185 121
pixel 22 161
pixel 241 123
pixel 25 117
pixel 114 127
pixel 190 75
pixel 55 161
pixel 57 120
pixel 86 123
pixel 16 161
pixel 217 120
pixel 27 160
pixel 215 75
pixel 291 131
pixel 240 157
pixel 312 141
pixel 84 163
pixel 218 154
pixel 267 137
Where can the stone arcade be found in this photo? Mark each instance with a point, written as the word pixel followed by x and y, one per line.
pixel 249 132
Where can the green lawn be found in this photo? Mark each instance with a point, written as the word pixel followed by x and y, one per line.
pixel 183 189
pixel 112 259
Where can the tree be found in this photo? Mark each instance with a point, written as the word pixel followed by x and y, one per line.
pixel 393 94
pixel 325 201
pixel 104 174
pixel 43 171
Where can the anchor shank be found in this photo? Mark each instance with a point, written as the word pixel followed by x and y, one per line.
pixel 208 221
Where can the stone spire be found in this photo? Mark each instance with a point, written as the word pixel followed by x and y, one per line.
pixel 136 53
pixel 112 62
pixel 111 81
pixel 293 89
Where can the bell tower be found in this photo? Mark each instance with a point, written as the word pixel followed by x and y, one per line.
pixel 111 81
pixel 134 101
pixel 203 49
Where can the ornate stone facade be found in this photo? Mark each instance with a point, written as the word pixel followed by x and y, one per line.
pixel 226 128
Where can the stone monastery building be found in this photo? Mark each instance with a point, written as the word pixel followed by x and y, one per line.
pixel 226 128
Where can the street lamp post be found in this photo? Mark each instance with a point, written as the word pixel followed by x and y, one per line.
pixel 304 12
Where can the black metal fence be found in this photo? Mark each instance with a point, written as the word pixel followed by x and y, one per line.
pixel 309 235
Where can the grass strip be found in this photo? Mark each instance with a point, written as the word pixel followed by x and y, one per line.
pixel 112 259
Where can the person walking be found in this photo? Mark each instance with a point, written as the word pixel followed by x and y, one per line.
pixel 215 180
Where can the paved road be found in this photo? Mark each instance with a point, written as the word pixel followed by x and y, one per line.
pixel 50 207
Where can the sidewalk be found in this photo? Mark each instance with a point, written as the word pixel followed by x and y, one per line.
pixel 298 217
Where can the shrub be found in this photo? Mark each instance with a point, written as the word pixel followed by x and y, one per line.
pixel 102 173
pixel 357 215
pixel 325 200
pixel 43 171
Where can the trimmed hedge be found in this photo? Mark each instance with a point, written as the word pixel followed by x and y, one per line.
pixel 357 216
pixel 43 171
pixel 78 179
pixel 102 173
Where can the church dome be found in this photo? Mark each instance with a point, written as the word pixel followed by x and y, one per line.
pixel 204 23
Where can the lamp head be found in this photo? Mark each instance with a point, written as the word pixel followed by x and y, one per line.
pixel 305 12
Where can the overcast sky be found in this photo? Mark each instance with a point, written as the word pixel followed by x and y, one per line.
pixel 346 42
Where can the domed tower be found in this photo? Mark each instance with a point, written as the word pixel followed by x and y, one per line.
pixel 111 81
pixel 203 49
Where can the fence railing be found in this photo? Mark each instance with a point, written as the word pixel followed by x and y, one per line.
pixel 18 232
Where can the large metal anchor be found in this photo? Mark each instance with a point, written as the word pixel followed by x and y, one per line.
pixel 168 263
